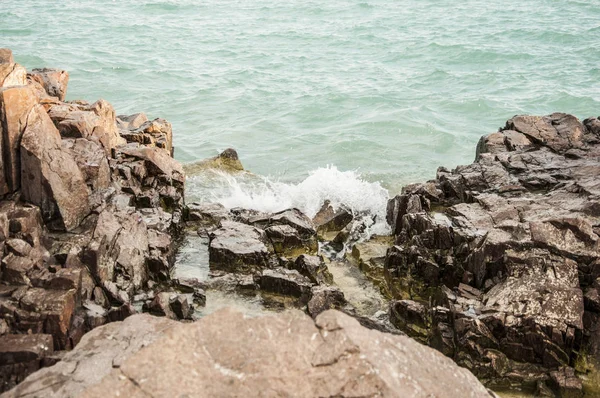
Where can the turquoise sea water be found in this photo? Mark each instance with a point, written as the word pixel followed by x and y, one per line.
pixel 388 88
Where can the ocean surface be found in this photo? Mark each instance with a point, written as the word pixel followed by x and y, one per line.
pixel 352 98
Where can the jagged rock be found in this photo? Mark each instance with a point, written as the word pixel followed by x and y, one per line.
pixel 237 247
pixel 15 269
pixel 6 56
pixel 95 122
pixel 285 282
pixel 12 74
pixel 566 383
pixel 293 218
pixel 370 257
pixel 48 311
pixel 92 162
pixel 181 307
pixel 410 317
pixel 54 81
pixel 557 131
pixel 207 214
pixel 512 235
pixel 332 356
pixel 399 206
pixel 156 133
pixel 325 298
pixel 21 355
pixel 285 239
pixel 329 219
pixel 50 177
pixel 157 162
pixel 18 247
pixel 16 104
pixel 314 269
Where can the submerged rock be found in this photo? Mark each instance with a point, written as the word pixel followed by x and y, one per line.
pixel 331 356
pixel 227 161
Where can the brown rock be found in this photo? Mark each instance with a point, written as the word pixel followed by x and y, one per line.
pixel 294 356
pixel 54 309
pixel 325 298
pixel 92 162
pixel 95 356
pixel 6 56
pixel 54 81
pixel 329 219
pixel 50 176
pixel 156 133
pixel 237 247
pixel 15 105
pixel 158 162
pixel 15 269
pixel 314 269
pixel 94 122
pixel 21 355
pixel 12 75
pixel 131 122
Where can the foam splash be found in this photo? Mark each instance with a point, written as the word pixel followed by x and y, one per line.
pixel 250 191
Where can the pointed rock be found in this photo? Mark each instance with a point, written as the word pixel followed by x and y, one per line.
pixel 15 105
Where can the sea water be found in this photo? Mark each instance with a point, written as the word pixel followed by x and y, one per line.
pixel 339 99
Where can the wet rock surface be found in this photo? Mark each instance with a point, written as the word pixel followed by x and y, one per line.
pixel 500 254
pixel 294 355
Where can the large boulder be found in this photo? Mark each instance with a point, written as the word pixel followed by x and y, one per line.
pixel 50 177
pixel 292 354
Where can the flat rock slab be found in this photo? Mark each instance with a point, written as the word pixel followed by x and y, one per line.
pixel 228 354
pixel 237 247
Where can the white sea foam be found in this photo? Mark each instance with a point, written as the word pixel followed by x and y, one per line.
pixel 250 191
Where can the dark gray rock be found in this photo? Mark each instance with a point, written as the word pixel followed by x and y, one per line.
pixel 237 247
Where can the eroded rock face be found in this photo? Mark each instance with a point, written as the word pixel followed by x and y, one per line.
pixel 50 177
pixel 16 103
pixel 504 250
pixel 86 230
pixel 294 355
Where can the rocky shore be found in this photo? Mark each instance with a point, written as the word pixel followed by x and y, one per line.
pixel 496 265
